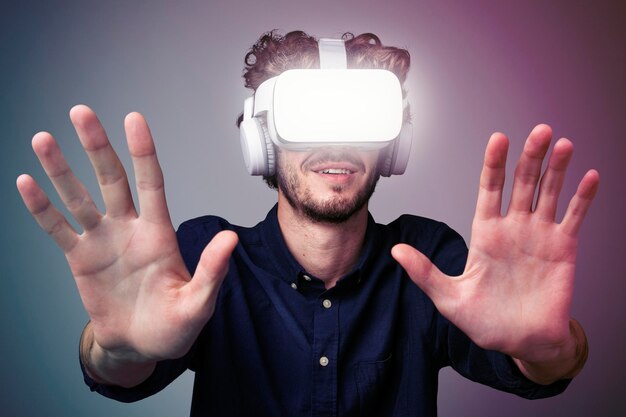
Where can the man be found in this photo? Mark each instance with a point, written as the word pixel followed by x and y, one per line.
pixel 316 311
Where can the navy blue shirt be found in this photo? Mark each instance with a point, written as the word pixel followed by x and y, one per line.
pixel 280 344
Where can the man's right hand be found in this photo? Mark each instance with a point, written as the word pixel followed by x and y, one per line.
pixel 143 304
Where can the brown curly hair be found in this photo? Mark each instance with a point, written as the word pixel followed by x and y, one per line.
pixel 274 53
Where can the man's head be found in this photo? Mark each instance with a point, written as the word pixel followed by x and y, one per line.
pixel 332 182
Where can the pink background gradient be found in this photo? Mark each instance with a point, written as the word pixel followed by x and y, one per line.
pixel 477 67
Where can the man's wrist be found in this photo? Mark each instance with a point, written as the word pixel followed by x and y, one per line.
pixel 105 369
pixel 582 349
pixel 563 367
pixel 86 345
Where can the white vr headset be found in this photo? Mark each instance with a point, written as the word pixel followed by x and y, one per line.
pixel 307 108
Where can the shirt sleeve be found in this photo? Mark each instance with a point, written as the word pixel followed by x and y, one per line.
pixel 487 367
pixel 164 373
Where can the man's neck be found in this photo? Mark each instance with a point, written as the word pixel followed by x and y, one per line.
pixel 327 250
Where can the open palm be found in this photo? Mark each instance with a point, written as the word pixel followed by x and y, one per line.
pixel 131 277
pixel 515 293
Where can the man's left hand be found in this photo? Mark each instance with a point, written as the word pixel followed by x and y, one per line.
pixel 515 293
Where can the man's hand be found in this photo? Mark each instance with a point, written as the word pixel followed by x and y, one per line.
pixel 142 302
pixel 515 293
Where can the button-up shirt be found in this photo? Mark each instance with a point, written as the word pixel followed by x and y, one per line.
pixel 281 344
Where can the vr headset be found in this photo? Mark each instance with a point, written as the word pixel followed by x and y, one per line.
pixel 302 109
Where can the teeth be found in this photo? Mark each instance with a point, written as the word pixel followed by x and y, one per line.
pixel 336 171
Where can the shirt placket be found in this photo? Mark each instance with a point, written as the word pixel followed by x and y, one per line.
pixel 325 355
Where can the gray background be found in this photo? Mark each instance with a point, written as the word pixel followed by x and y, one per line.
pixel 477 67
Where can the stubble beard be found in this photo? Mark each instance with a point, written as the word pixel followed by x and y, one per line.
pixel 337 209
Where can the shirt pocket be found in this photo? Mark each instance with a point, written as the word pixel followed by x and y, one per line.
pixel 371 379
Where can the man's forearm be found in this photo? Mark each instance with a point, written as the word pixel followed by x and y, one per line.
pixel 567 365
pixel 105 368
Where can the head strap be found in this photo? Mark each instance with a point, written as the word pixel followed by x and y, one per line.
pixel 332 54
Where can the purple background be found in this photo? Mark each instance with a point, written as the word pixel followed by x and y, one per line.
pixel 477 67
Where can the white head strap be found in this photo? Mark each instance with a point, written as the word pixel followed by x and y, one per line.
pixel 332 54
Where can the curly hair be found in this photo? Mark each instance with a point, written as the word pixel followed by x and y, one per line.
pixel 273 54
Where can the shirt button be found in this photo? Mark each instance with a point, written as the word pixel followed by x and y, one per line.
pixel 294 286
pixel 306 277
pixel 326 303
pixel 323 361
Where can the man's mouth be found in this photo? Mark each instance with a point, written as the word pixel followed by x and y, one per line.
pixel 335 171
pixel 334 162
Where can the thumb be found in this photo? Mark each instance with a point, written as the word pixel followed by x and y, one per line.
pixel 210 272
pixel 437 285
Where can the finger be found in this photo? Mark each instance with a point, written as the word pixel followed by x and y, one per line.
pixel 492 177
pixel 109 171
pixel 48 217
pixel 438 286
pixel 210 273
pixel 72 192
pixel 528 169
pixel 580 203
pixel 148 174
pixel 552 180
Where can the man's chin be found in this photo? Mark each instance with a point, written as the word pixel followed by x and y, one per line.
pixel 321 204
pixel 335 211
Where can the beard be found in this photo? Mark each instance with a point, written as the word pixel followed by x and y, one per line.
pixel 337 209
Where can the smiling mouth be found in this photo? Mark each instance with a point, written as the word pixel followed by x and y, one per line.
pixel 335 171
pixel 339 162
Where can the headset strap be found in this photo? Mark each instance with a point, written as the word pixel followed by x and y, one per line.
pixel 332 54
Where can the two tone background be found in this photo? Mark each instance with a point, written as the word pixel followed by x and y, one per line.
pixel 477 67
